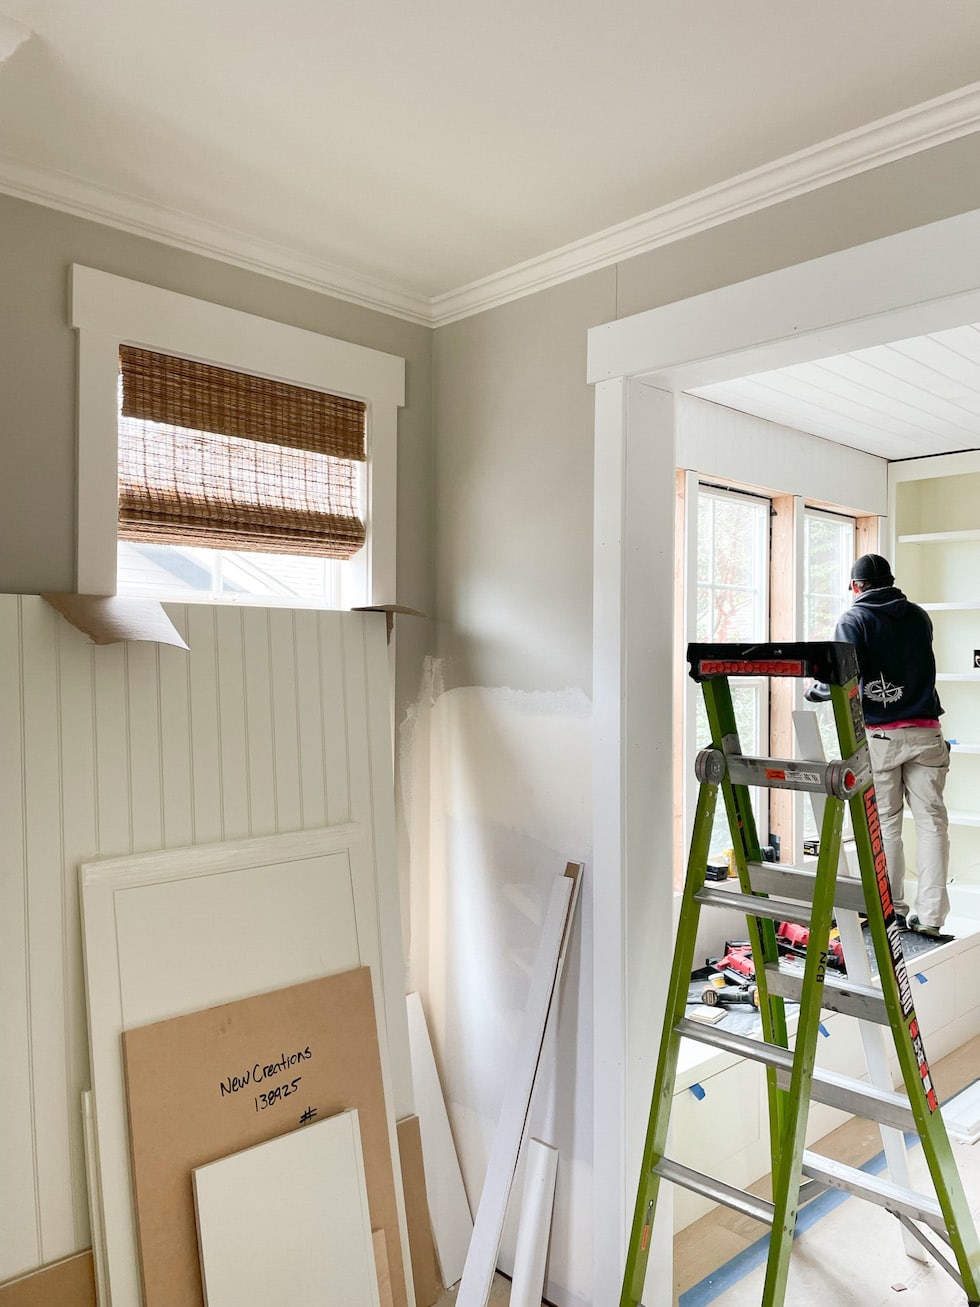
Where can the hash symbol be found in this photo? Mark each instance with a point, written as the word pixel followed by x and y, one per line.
pixel 307 1116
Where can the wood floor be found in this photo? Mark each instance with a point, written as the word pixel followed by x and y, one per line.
pixel 499 1294
pixel 716 1239
pixel 711 1243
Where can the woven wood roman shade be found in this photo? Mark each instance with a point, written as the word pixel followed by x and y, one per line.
pixel 227 460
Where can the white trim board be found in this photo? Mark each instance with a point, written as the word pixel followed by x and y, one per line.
pixel 918 281
pixel 539 1011
pixel 961 1113
pixel 897 136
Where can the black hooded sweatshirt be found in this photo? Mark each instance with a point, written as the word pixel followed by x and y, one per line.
pixel 893 640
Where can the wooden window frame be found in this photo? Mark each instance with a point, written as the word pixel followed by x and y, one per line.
pixel 108 311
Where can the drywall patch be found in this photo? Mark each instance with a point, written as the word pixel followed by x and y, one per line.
pixel 12 35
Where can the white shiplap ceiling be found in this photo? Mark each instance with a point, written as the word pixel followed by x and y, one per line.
pixel 904 400
pixel 434 158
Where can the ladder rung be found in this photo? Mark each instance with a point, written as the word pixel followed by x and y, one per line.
pixel 858 1098
pixel 717 1190
pixel 839 994
pixel 828 1087
pixel 875 1189
pixel 754 905
pixel 756 1050
pixel 799 883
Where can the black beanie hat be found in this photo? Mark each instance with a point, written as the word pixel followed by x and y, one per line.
pixel 874 568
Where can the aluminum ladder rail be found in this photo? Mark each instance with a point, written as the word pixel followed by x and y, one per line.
pixel 769 893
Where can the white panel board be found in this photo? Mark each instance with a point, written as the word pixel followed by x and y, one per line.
pixel 287 1221
pixel 481 1259
pixel 537 1206
pixel 94 1182
pixel 449 1210
pixel 179 931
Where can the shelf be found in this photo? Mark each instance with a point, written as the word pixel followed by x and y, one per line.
pixel 968 606
pixel 958 676
pixel 956 817
pixel 939 537
pixel 964 748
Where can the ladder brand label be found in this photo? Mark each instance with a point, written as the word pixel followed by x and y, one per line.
pixel 895 945
pixel 750 667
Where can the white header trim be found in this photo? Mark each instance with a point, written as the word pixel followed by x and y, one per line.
pixel 918 281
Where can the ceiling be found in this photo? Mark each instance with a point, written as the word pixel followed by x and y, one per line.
pixel 436 157
pixel 909 399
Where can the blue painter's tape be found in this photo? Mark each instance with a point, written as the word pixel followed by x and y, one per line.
pixel 698 1091
pixel 823 1030
pixel 922 979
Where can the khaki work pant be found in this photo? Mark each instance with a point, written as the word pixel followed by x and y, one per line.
pixel 910 765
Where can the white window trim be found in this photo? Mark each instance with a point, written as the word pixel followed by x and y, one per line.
pixel 108 311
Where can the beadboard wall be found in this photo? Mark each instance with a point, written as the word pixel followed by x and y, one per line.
pixel 276 720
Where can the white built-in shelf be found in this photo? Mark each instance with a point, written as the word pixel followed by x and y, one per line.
pixel 968 606
pixel 956 817
pixel 964 748
pixel 958 676
pixel 964 818
pixel 939 537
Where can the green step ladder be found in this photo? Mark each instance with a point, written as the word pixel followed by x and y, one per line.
pixel 772 893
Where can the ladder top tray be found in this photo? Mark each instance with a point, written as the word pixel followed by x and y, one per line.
pixel 833 662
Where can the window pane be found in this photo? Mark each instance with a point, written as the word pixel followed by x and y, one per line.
pixel 732 607
pixel 171 572
pixel 828 552
pixel 732 567
pixel 747 703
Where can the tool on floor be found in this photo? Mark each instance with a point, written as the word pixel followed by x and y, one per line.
pixel 730 995
pixel 772 894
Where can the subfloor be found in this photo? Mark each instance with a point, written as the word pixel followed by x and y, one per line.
pixel 499 1294
pixel 849 1253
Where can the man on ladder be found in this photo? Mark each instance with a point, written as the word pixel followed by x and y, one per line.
pixel 909 757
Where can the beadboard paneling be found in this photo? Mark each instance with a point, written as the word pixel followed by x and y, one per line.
pixel 275 721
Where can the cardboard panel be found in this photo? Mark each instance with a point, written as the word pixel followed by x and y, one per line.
pixel 287 1221
pixel 425 1268
pixel 381 1263
pixel 212 1083
pixel 68 1283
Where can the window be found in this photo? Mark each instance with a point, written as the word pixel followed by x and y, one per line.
pixel 347 388
pixel 733 606
pixel 828 552
pixel 734 593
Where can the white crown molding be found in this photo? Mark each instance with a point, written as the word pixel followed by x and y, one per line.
pixel 922 127
pixel 932 123
pixel 56 190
